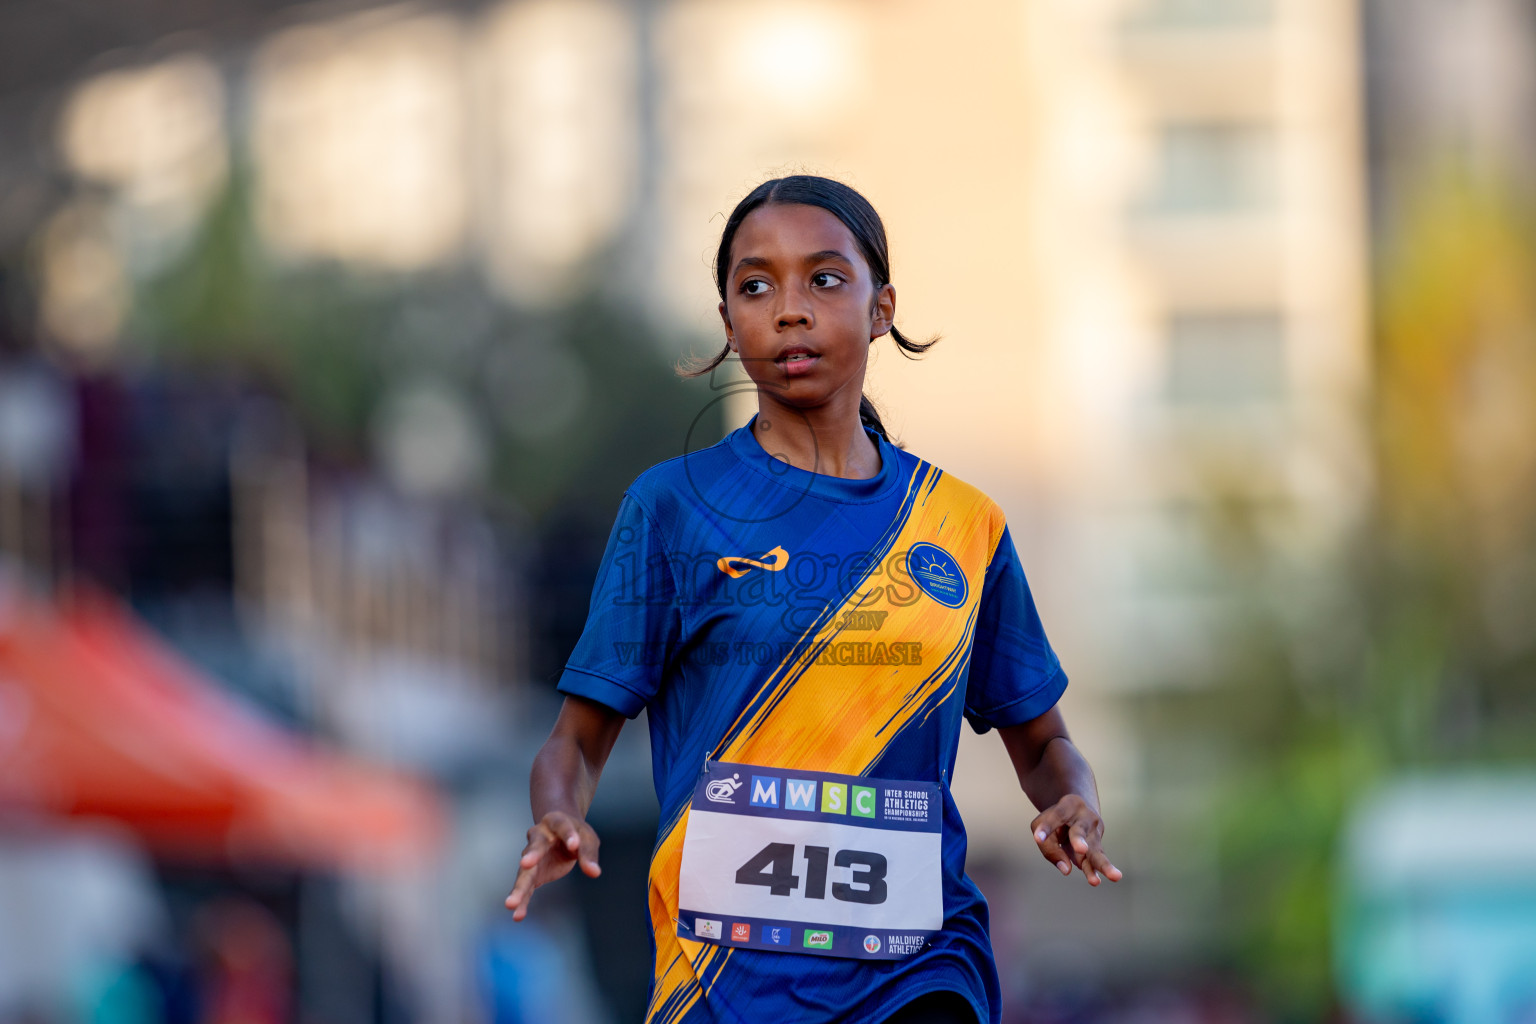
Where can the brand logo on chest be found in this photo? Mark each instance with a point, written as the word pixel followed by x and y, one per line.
pixel 737 566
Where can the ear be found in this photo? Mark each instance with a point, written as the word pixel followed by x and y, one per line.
pixel 730 335
pixel 883 314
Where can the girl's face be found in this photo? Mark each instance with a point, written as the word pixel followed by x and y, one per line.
pixel 801 305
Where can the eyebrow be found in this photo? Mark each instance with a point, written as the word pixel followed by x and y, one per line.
pixel 819 256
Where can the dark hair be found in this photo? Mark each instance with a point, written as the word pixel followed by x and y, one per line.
pixel 861 220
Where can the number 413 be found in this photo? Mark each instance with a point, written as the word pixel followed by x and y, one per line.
pixel 774 866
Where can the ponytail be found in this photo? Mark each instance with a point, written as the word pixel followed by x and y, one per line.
pixel 870 417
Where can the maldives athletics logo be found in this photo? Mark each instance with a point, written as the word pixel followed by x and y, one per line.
pixel 723 791
pixel 938 574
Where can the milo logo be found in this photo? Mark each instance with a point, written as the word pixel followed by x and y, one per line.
pixel 818 940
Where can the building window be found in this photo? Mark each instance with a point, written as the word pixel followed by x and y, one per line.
pixel 1225 360
pixel 1214 167
pixel 1201 13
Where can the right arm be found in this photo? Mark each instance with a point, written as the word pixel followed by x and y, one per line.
pixel 561 786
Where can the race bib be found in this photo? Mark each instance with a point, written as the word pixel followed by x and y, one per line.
pixel 811 862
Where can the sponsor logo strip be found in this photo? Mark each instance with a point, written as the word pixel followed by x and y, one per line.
pixel 807 937
pixel 819 796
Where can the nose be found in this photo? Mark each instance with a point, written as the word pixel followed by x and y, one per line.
pixel 795 310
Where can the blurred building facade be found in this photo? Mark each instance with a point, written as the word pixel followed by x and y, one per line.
pixel 1174 344
pixel 1141 229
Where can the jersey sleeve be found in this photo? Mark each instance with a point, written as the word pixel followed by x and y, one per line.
pixel 1014 674
pixel 633 623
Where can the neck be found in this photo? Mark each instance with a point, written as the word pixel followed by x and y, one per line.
pixel 828 439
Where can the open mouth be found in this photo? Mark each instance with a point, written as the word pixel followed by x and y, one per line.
pixel 797 357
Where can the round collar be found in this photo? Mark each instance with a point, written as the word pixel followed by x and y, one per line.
pixel 832 488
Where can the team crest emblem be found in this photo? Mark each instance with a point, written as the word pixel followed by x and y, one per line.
pixel 937 574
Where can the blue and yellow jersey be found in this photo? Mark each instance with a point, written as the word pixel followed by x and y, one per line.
pixel 765 615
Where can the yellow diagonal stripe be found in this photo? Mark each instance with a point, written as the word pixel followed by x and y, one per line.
pixel 838 718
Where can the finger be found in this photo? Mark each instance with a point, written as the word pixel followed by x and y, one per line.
pixel 1080 849
pixel 1101 864
pixel 540 838
pixel 589 844
pixel 1048 821
pixel 1082 836
pixel 1051 849
pixel 565 830
pixel 522 892
pixel 1046 827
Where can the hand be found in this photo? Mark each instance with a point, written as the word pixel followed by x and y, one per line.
pixel 555 845
pixel 1068 833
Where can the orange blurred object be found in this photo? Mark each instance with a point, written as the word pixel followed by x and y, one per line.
pixel 100 718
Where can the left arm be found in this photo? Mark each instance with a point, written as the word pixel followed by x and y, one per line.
pixel 1058 781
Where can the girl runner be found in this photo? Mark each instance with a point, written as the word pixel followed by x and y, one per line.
pixel 807 611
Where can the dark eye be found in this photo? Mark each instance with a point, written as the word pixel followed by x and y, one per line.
pixel 754 286
pixel 825 279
